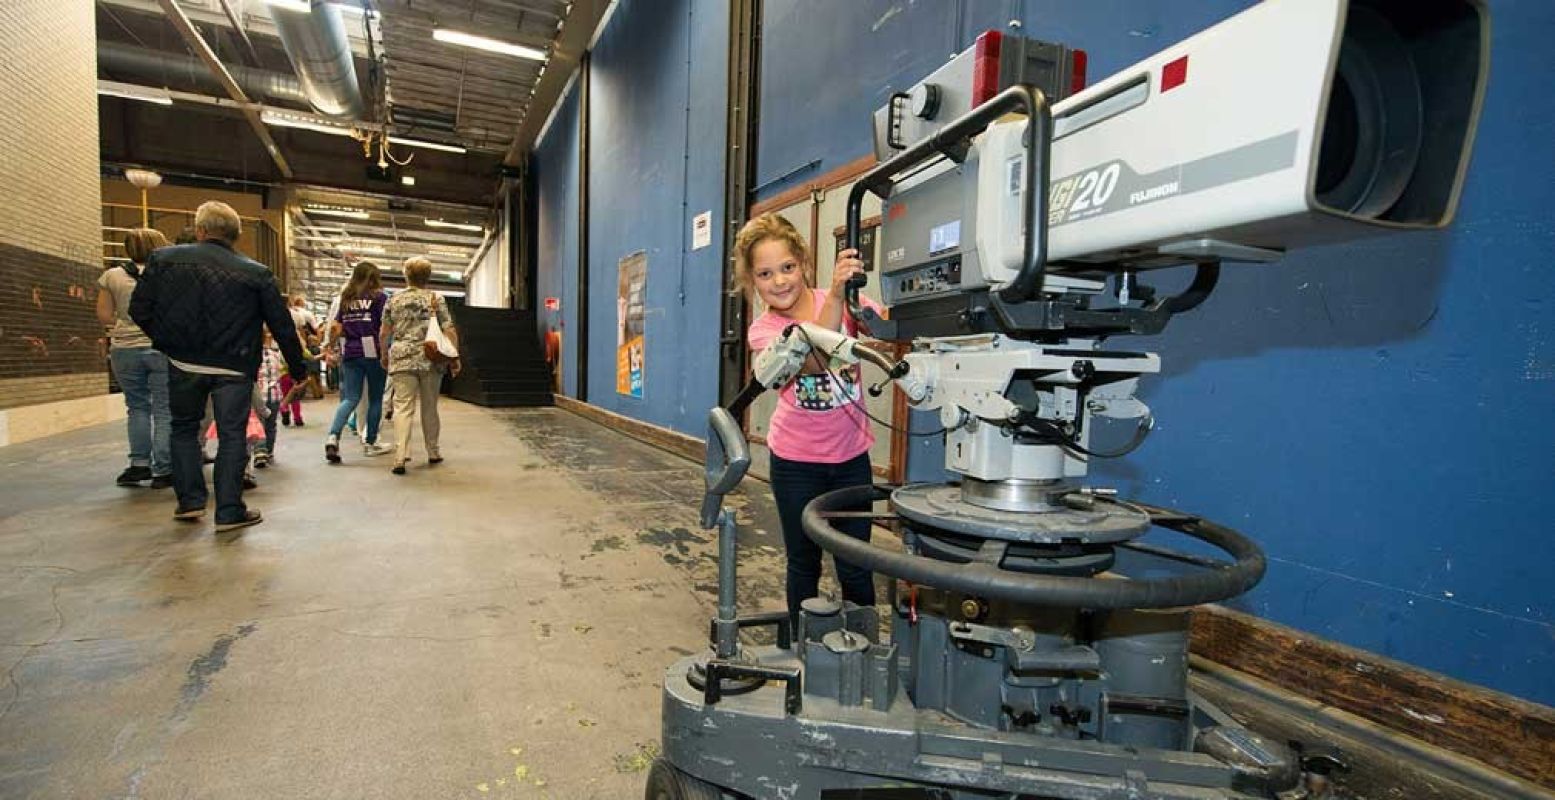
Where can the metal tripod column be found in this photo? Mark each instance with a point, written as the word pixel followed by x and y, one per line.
pixel 727 629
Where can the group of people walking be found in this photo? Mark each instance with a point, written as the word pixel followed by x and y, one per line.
pixel 382 342
pixel 195 325
pixel 201 336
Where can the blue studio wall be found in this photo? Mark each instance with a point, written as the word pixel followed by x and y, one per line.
pixel 656 158
pixel 1379 415
pixel 555 168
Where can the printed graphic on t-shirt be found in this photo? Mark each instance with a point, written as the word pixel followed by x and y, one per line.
pixel 817 392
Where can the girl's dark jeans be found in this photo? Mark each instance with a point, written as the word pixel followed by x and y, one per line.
pixel 794 485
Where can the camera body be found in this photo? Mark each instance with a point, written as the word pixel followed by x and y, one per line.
pixel 1294 123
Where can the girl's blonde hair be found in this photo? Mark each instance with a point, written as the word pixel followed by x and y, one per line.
pixel 760 229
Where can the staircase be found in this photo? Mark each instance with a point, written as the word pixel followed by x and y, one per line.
pixel 504 361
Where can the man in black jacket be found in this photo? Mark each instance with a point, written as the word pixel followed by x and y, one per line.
pixel 204 306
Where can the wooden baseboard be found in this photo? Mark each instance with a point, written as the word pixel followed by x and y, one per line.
pixel 663 438
pixel 1509 734
pixel 1512 735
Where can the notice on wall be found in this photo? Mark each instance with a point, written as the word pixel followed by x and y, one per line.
pixel 701 230
pixel 868 231
pixel 631 294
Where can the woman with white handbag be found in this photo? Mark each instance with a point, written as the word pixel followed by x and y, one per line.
pixel 422 345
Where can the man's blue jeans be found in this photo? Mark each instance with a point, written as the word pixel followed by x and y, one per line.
pixel 354 372
pixel 142 374
pixel 231 399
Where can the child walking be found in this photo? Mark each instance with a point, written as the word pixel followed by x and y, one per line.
pixel 819 436
pixel 270 390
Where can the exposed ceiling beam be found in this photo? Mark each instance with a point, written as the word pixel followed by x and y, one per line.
pixel 237 25
pixel 197 44
pixel 579 27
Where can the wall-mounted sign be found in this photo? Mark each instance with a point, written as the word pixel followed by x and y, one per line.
pixel 553 303
pixel 631 296
pixel 701 230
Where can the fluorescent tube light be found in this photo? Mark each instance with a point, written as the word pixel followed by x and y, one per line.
pixel 447 148
pixel 281 120
pixel 487 44
pixel 408 180
pixel 338 212
pixel 132 92
pixel 437 223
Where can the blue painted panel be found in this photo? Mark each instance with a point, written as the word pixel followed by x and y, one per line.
pixel 1380 415
pixel 825 68
pixel 656 158
pixel 555 165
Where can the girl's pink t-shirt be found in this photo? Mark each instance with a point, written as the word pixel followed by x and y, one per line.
pixel 817 420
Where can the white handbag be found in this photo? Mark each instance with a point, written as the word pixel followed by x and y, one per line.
pixel 437 346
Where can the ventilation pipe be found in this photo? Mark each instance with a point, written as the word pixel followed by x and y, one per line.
pixel 166 69
pixel 319 51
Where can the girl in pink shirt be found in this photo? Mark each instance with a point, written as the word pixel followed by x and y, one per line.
pixel 819 436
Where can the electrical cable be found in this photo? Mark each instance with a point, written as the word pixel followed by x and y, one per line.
pixel 857 400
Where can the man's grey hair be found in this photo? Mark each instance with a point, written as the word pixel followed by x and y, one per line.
pixel 218 220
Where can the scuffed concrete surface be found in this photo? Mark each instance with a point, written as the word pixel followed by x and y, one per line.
pixel 491 627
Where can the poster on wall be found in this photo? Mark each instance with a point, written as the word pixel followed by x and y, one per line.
pixel 631 293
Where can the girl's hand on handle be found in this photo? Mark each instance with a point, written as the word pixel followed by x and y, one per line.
pixel 848 265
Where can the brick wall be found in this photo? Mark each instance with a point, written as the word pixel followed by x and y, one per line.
pixel 50 234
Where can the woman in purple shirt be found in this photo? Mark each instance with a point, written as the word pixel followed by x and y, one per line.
pixel 355 326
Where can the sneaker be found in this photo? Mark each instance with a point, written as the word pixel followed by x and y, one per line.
pixel 298 422
pixel 377 449
pixel 161 481
pixel 286 419
pixel 250 517
pixel 388 413
pixel 434 459
pixel 399 468
pixel 189 514
pixel 249 482
pixel 132 476
pixel 332 449
pixel 261 460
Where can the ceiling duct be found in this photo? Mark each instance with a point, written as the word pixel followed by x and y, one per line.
pixel 176 71
pixel 319 51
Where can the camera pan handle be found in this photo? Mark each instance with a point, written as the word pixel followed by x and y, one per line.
pixel 950 140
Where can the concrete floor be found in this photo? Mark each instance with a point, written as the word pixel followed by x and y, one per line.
pixel 491 627
pixel 494 626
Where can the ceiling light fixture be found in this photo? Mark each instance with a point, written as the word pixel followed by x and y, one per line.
pixel 132 92
pixel 447 148
pixel 408 180
pixel 437 223
pixel 338 212
pixel 488 44
pixel 282 120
